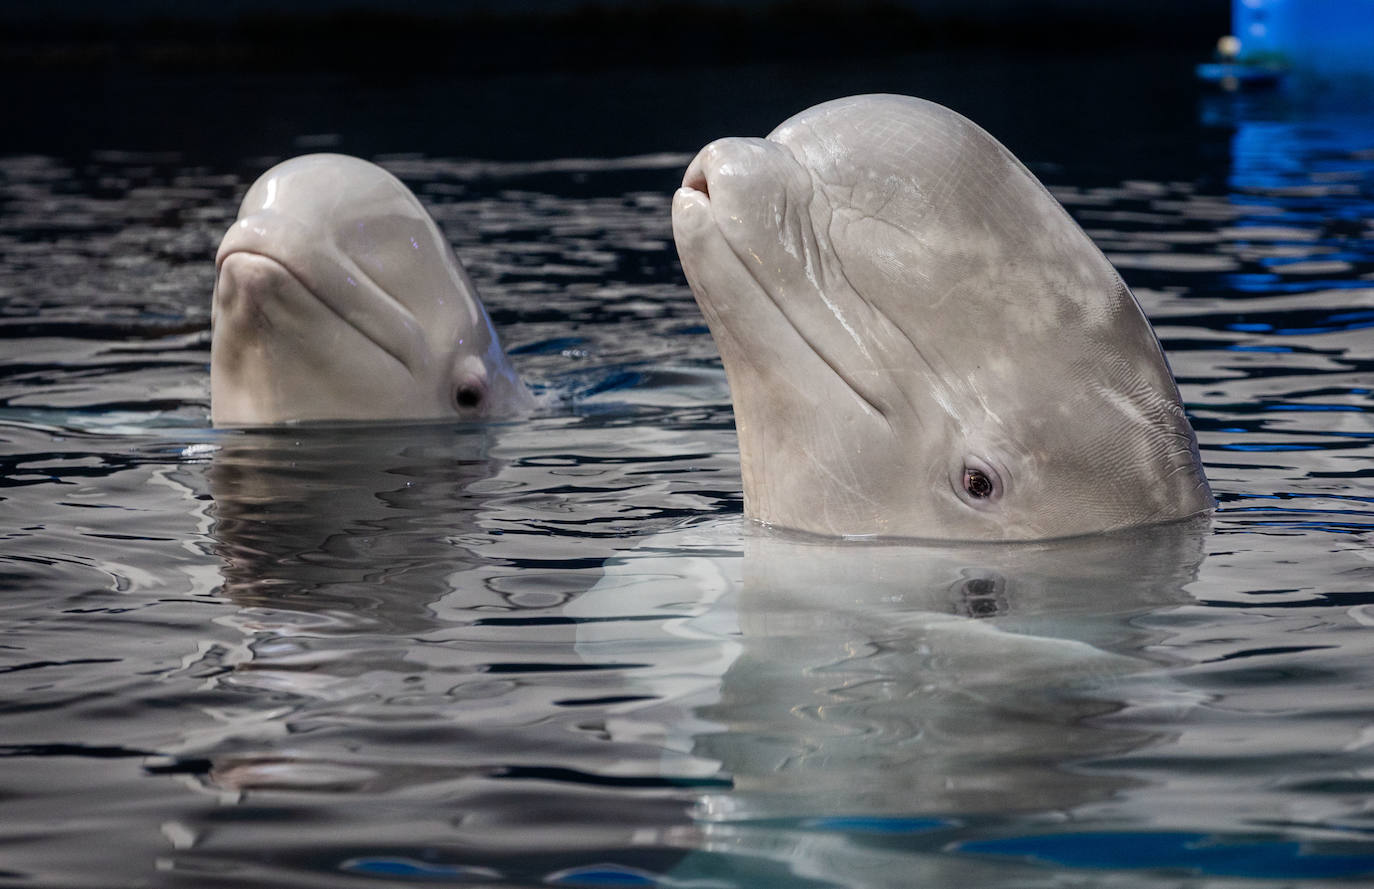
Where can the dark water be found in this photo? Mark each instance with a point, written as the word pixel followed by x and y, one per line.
pixel 550 652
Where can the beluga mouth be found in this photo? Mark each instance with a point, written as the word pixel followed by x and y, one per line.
pixel 694 179
pixel 337 298
pixel 268 283
pixel 920 341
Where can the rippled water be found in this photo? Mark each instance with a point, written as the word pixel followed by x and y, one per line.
pixel 550 652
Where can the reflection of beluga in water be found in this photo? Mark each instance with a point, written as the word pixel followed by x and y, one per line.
pixel 869 700
pixel 920 341
pixel 338 298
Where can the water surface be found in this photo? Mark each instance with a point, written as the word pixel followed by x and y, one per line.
pixel 551 651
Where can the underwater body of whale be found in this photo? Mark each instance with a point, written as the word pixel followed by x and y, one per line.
pixel 338 298
pixel 920 342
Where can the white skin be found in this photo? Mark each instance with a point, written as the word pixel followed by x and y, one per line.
pixel 337 298
pixel 919 340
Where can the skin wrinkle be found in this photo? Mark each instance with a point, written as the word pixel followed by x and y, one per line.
pixel 391 299
pixel 325 303
pixel 407 318
pixel 841 194
pixel 782 216
pixel 294 237
pixel 709 309
pixel 1161 415
pixel 835 219
pixel 869 405
pixel 915 414
pixel 811 246
pixel 821 289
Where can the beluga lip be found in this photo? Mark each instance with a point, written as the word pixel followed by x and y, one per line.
pixel 388 325
pixel 695 177
pixel 381 319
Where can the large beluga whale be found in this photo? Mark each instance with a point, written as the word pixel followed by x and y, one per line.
pixel 337 298
pixel 920 342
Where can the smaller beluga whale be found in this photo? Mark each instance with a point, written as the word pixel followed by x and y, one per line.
pixel 337 298
pixel 919 340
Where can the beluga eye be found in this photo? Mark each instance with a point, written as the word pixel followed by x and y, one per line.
pixel 468 396
pixel 977 483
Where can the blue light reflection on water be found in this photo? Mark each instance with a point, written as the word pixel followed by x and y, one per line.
pixel 1194 853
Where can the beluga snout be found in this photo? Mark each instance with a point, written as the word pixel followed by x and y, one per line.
pixel 919 340
pixel 337 298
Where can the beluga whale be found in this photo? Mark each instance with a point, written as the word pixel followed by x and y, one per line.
pixel 919 340
pixel 337 298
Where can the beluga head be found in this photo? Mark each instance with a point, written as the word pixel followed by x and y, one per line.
pixel 919 340
pixel 337 298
